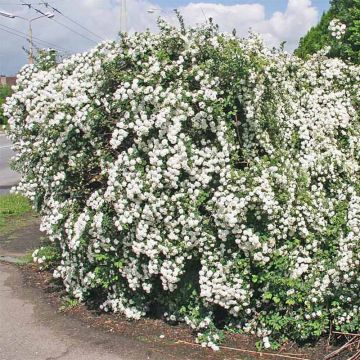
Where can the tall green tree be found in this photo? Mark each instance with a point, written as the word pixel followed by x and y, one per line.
pixel 5 91
pixel 319 36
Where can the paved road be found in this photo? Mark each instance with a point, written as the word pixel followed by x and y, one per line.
pixel 30 330
pixel 8 177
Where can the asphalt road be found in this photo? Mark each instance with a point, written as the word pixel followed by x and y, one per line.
pixel 30 330
pixel 8 177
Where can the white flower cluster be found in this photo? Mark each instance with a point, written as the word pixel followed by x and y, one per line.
pixel 337 29
pixel 210 341
pixel 38 259
pixel 194 170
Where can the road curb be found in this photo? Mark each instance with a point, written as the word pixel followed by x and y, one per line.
pixel 12 260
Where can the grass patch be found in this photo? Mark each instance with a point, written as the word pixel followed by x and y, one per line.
pixel 68 303
pixel 27 258
pixel 12 205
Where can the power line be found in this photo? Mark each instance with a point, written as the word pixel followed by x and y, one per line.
pixel 15 34
pixel 9 3
pixel 28 4
pixel 15 4
pixel 60 23
pixel 47 5
pixel 34 37
pixel 24 36
pixel 74 31
pixel 12 33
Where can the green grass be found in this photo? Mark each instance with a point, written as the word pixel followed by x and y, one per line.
pixel 12 205
pixel 27 258
pixel 68 304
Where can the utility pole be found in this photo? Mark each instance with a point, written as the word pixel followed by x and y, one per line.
pixel 31 56
pixel 123 16
pixel 30 38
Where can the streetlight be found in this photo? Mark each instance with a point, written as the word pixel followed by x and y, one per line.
pixel 152 10
pixel 3 13
pixel 167 15
pixel 160 11
pixel 12 16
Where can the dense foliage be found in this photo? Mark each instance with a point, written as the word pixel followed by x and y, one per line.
pixel 347 12
pixel 5 91
pixel 200 175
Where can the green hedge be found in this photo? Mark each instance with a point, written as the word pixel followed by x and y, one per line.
pixel 202 175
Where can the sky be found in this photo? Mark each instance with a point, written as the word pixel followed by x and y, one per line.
pixel 83 23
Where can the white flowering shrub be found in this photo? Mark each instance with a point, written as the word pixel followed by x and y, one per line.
pixel 337 29
pixel 47 256
pixel 202 175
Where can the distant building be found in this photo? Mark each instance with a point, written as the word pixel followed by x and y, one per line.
pixel 8 80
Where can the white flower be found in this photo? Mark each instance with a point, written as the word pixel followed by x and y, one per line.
pixel 158 171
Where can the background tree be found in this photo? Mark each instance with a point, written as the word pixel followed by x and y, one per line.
pixel 5 91
pixel 347 47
